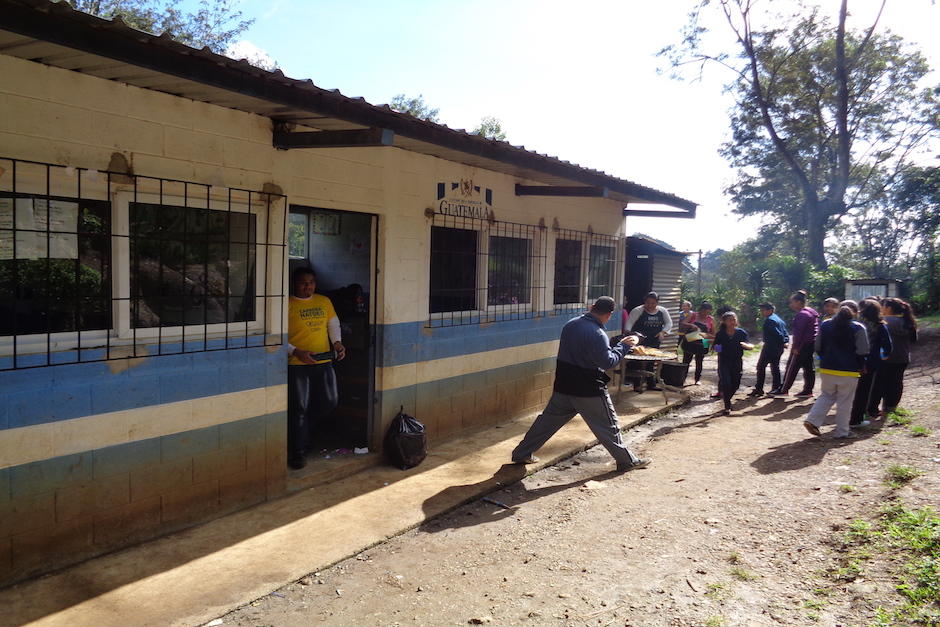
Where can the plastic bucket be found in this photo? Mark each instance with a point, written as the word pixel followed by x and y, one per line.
pixel 674 373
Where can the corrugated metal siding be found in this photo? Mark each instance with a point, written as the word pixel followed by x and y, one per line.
pixel 667 271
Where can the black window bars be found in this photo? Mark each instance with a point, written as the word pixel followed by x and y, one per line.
pixel 587 265
pixel 485 270
pixel 98 265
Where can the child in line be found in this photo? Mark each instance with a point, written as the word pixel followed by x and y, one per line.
pixel 698 327
pixel 842 345
pixel 830 308
pixel 730 344
pixel 889 384
pixel 880 346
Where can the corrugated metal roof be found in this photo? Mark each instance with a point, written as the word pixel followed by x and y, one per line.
pixel 55 34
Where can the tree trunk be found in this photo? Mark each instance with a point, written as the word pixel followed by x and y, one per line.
pixel 815 233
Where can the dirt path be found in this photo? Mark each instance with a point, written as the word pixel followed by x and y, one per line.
pixel 735 523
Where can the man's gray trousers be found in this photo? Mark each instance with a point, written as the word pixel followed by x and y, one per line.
pixel 597 411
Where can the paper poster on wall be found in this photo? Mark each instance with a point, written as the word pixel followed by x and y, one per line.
pixel 62 215
pixel 325 223
pixel 33 215
pixel 6 213
pixel 29 245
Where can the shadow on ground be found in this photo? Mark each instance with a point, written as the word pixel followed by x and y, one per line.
pixel 807 452
pixel 506 475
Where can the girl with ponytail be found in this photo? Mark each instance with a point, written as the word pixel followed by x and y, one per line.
pixel 889 384
pixel 842 344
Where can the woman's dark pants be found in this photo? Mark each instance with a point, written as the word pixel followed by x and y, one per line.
pixel 694 350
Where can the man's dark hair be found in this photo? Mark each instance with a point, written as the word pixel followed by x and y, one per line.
pixel 603 305
pixel 768 306
pixel 653 295
pixel 301 271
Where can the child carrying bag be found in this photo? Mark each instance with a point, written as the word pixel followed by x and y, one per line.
pixel 406 443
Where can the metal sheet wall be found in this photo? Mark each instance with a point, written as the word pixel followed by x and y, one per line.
pixel 667 272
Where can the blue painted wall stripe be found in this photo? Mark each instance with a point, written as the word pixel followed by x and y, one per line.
pixel 40 395
pixel 411 342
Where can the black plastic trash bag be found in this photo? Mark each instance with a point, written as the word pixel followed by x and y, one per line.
pixel 406 443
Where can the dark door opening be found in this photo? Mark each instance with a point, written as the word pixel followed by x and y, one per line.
pixel 639 278
pixel 339 246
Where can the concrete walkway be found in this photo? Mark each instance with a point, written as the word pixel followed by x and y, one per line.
pixel 191 577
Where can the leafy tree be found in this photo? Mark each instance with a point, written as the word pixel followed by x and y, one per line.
pixel 414 106
pixel 215 25
pixel 491 128
pixel 918 195
pixel 825 118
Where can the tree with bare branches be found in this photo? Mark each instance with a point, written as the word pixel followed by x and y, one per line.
pixel 826 119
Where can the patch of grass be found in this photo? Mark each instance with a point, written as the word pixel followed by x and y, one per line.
pixel 898 475
pixel 814 604
pixel 849 572
pixel 715 621
pixel 899 417
pixel 813 616
pixel 717 591
pixel 919 431
pixel 847 488
pixel 913 536
pixel 884 442
pixel 860 532
pixel 734 558
pixel 742 575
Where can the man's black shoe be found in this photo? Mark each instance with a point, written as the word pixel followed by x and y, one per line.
pixel 756 393
pixel 297 462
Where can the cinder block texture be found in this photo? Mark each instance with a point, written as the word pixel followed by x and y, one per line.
pixel 69 508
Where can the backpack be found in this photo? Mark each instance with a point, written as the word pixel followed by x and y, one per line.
pixel 406 443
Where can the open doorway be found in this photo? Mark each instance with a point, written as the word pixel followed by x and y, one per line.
pixel 638 278
pixel 340 247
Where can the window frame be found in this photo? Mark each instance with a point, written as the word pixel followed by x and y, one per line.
pixel 25 178
pixel 484 312
pixel 209 331
pixel 589 239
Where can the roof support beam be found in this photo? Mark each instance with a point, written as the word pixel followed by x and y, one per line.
pixel 561 190
pixel 651 213
pixel 286 140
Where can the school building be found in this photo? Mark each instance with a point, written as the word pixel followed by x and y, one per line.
pixel 153 199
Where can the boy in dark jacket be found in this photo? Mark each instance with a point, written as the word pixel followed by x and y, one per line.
pixel 776 340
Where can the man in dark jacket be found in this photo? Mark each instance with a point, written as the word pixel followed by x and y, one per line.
pixel 584 353
pixel 776 339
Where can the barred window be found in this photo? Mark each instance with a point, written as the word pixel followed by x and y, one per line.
pixel 191 266
pixel 509 280
pixel 601 275
pixel 101 265
pixel 55 264
pixel 587 265
pixel 484 271
pixel 568 272
pixel 453 269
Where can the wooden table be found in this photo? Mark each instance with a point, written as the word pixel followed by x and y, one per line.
pixel 628 371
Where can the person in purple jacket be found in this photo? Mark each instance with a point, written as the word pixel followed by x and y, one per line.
pixel 802 339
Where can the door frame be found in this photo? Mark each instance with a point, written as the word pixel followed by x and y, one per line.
pixel 372 437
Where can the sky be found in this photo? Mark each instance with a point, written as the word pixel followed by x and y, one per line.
pixel 576 80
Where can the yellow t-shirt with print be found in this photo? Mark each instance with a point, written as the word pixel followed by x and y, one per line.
pixel 307 325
